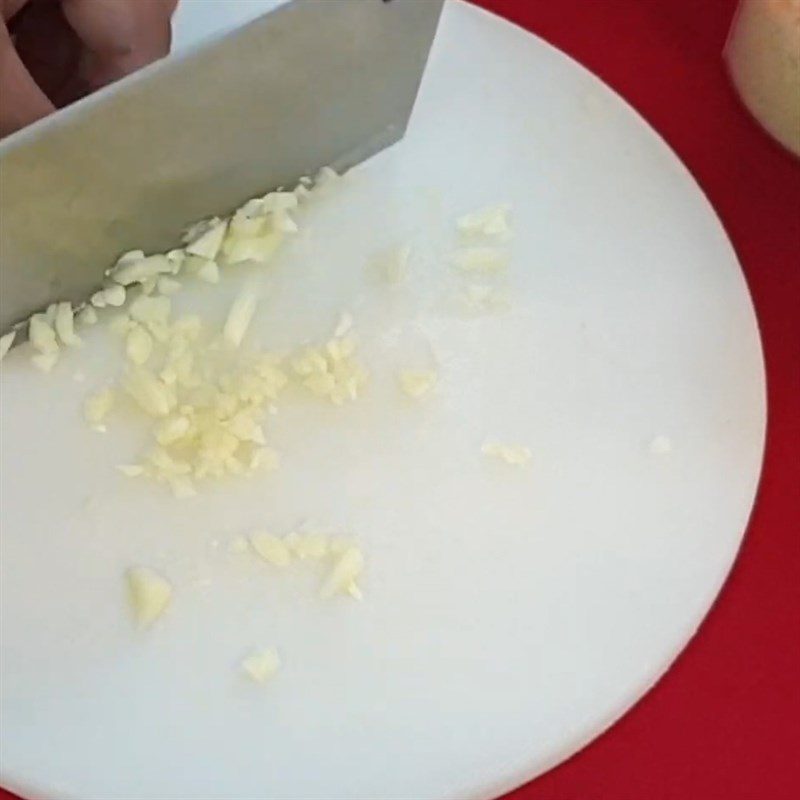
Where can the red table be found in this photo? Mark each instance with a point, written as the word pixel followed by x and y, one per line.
pixel 724 722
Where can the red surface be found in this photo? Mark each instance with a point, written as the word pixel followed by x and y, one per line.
pixel 724 722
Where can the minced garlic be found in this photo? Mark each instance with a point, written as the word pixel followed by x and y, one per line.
pixel 514 454
pixel 417 383
pixel 261 665
pixel 149 594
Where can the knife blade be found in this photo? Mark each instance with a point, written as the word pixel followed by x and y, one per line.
pixel 309 84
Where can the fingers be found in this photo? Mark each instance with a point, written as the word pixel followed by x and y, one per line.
pixel 119 36
pixel 116 37
pixel 21 100
pixel 49 49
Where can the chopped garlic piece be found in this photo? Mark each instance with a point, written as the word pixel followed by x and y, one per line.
pixel 41 334
pixel 167 286
pixel 480 259
pixel 6 342
pixel 149 594
pixel 139 345
pixel 114 296
pixel 514 454
pixel 45 361
pixel 97 407
pixel 98 299
pixel 139 270
pixel 480 298
pixel 151 393
pixel 247 222
pixel 307 545
pixel 87 317
pixel 284 223
pixel 121 324
pixel 275 202
pixel 331 371
pixel 302 192
pixel 172 429
pixel 50 314
pixel 264 458
pixel 209 272
pixel 206 243
pixel 261 665
pixel 65 325
pixel 391 266
pixel 239 544
pixel 326 179
pixel 342 578
pixel 489 222
pixel 129 257
pixel 344 325
pixel 131 470
pixel 154 312
pixel 166 466
pixel 417 383
pixel 237 249
pixel 239 317
pixel 271 548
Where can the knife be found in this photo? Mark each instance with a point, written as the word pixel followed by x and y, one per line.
pixel 310 84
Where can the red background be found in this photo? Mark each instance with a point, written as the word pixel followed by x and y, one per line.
pixel 724 724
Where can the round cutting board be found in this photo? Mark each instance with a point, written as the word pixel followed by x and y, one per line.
pixel 509 615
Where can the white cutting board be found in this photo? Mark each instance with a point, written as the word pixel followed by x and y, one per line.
pixel 509 616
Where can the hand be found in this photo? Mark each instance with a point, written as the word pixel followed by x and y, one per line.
pixel 54 51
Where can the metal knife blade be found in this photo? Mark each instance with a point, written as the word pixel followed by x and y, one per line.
pixel 312 83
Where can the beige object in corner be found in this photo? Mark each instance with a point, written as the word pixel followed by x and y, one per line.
pixel 763 58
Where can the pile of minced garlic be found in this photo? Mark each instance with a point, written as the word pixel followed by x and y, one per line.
pixel 206 395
